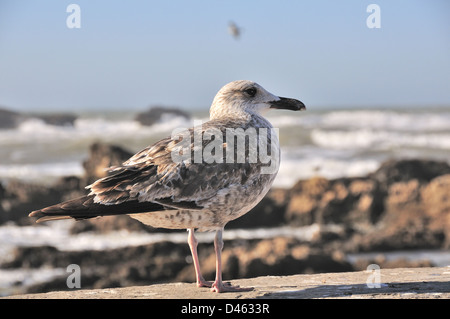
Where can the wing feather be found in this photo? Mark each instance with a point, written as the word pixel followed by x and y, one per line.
pixel 152 175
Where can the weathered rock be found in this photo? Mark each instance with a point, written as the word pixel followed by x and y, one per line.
pixel 102 156
pixel 416 216
pixel 403 205
pixel 404 170
pixel 355 201
pixel 305 201
pixel 156 113
pixel 57 119
pixel 10 119
pixel 18 198
pixel 436 201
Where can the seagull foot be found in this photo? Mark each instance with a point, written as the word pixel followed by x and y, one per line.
pixel 204 283
pixel 227 287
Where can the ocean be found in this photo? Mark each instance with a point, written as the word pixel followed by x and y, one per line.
pixel 331 143
pixel 328 143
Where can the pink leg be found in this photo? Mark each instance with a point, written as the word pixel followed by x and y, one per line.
pixel 218 285
pixel 192 241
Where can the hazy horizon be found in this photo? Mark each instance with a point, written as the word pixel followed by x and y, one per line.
pixel 199 110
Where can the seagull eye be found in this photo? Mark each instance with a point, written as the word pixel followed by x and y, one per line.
pixel 251 92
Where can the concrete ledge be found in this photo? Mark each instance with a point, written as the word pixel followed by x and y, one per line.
pixel 399 283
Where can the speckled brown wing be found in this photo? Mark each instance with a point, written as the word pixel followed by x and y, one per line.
pixel 152 175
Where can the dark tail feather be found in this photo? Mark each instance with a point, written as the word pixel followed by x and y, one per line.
pixel 84 208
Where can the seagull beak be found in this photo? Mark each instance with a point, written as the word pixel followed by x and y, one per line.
pixel 285 103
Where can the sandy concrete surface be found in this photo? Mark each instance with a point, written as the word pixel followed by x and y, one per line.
pixel 399 283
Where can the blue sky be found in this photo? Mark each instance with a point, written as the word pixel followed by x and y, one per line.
pixel 132 54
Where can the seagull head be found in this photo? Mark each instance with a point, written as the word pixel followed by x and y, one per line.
pixel 249 97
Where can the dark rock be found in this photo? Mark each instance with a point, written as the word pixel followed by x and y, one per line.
pixel 102 156
pixel 155 114
pixel 32 257
pixel 57 119
pixel 403 205
pixel 415 217
pixel 20 198
pixel 10 119
pixel 356 201
pixel 305 200
pixel 435 197
pixel 404 170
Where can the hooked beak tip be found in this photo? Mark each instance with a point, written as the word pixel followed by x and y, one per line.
pixel 285 103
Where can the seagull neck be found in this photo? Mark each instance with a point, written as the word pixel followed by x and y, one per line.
pixel 234 114
pixel 259 120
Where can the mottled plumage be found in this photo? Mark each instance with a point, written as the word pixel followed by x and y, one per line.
pixel 190 193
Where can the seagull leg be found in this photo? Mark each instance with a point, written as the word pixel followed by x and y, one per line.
pixel 218 285
pixel 192 241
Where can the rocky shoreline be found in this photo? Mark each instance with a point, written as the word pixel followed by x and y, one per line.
pixel 404 205
pixel 154 114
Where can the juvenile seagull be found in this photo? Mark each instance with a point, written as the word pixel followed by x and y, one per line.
pixel 190 194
